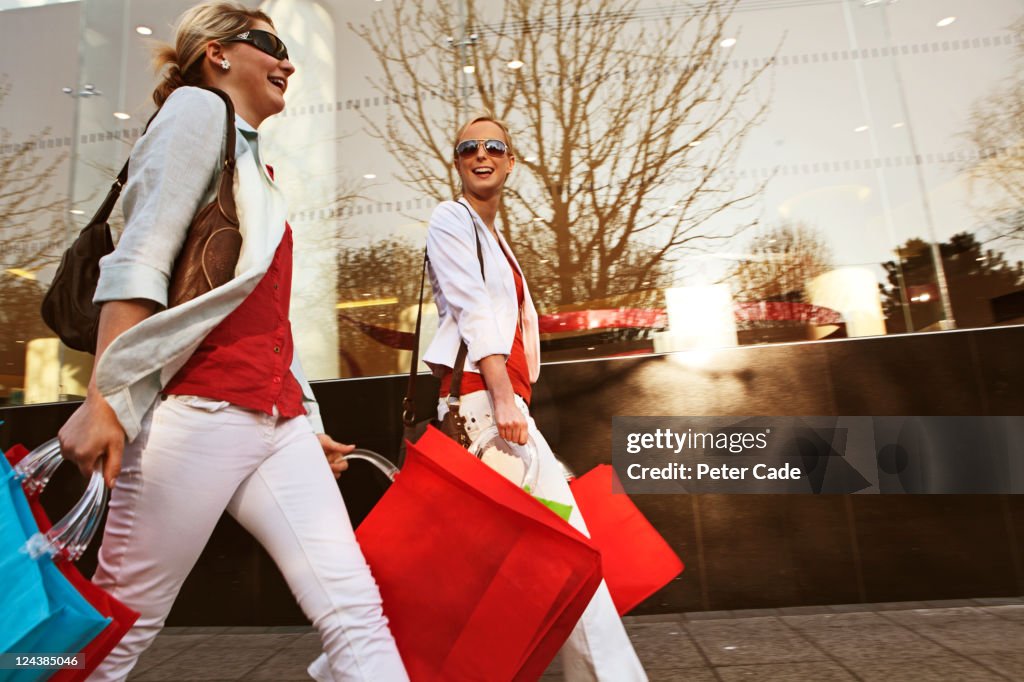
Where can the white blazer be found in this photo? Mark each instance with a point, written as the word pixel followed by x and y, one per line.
pixel 483 313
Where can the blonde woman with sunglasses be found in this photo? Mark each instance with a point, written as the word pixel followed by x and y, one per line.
pixel 494 315
pixel 202 408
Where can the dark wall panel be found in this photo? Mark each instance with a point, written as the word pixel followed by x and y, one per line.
pixel 999 357
pixel 916 374
pixel 920 547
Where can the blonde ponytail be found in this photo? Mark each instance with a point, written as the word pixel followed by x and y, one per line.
pixel 181 64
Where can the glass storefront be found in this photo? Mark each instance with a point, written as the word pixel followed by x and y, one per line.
pixel 689 175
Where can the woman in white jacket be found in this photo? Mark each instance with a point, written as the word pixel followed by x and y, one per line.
pixel 202 408
pixel 495 316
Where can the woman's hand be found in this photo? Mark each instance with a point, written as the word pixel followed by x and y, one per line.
pixel 510 420
pixel 335 453
pixel 93 431
pixel 91 434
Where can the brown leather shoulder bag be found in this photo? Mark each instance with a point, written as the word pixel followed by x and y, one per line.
pixel 207 259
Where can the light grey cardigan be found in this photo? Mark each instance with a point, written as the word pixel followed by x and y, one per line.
pixel 172 173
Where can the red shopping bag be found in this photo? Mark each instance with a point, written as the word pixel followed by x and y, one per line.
pixel 637 561
pixel 122 617
pixel 479 581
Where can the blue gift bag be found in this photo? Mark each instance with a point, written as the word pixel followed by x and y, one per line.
pixel 40 611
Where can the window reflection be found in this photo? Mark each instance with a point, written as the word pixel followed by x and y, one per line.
pixel 744 174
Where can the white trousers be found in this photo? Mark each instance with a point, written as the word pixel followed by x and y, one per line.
pixel 195 458
pixel 598 648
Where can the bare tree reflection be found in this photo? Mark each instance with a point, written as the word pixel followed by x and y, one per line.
pixel 378 286
pixel 781 262
pixel 997 134
pixel 32 227
pixel 32 218
pixel 626 130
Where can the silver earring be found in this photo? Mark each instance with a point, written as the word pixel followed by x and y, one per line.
pixel 225 64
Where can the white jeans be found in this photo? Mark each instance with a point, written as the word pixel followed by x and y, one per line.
pixel 195 458
pixel 598 648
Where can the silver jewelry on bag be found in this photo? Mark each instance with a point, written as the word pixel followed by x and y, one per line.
pixel 225 64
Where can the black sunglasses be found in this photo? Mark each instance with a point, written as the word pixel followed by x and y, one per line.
pixel 264 41
pixel 467 148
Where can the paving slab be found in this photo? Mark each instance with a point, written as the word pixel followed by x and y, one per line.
pixel 964 640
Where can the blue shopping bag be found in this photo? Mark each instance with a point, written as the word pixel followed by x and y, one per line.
pixel 40 611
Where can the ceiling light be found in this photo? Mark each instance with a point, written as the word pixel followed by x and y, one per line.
pixel 370 176
pixel 530 159
pixel 860 129
pixel 468 68
pixel 121 115
pixel 143 30
pixel 942 23
pixel 728 42
pixel 515 64
pixel 898 124
pixel 694 143
pixel 76 211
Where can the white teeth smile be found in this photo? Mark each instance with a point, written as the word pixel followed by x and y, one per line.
pixel 483 171
pixel 279 82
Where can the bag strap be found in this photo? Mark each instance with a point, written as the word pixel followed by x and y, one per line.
pixel 409 402
pixel 225 193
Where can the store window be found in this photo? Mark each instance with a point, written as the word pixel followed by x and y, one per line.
pixel 689 176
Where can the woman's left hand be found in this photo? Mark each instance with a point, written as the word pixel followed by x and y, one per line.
pixel 335 453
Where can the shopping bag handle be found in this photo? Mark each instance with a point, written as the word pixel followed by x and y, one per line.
pixel 69 537
pixel 37 467
pixel 528 453
pixel 382 463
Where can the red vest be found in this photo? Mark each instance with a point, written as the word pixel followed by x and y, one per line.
pixel 246 360
pixel 518 371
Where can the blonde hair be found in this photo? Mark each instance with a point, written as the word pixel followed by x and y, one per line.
pixel 486 117
pixel 180 64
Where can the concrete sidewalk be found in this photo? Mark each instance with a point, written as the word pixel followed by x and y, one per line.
pixel 978 639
